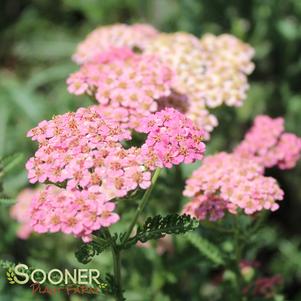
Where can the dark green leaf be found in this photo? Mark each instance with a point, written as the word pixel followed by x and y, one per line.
pixel 157 227
pixel 87 251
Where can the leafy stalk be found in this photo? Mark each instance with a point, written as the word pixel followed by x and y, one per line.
pixel 240 241
pixel 153 228
pixel 117 265
pixel 142 205
pixel 238 253
pixel 116 249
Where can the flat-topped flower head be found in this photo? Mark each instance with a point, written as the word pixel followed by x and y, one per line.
pixel 210 71
pixel 172 139
pixel 103 38
pixel 124 83
pixel 72 212
pixel 83 154
pixel 232 51
pixel 83 150
pixel 226 182
pixel 268 144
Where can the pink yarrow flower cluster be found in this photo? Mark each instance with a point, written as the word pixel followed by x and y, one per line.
pixel 126 85
pixel 229 182
pixel 83 81
pixel 71 211
pixel 82 149
pixel 226 182
pixel 172 139
pixel 269 145
pixel 208 72
pixel 82 153
pixel 102 39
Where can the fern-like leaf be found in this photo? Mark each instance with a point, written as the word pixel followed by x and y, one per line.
pixel 157 227
pixel 206 248
pixel 87 251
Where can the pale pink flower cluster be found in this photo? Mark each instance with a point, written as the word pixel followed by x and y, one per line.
pixel 87 78
pixel 210 71
pixel 83 153
pixel 135 37
pixel 228 182
pixel 172 139
pixel 234 53
pixel 71 211
pixel 268 144
pixel 126 85
pixel 21 212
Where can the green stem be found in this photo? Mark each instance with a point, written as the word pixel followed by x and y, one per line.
pixel 117 274
pixel 258 223
pixel 238 247
pixel 239 281
pixel 117 266
pixel 142 205
pixel 240 244
pixel 116 251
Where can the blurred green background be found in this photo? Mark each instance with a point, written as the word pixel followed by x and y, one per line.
pixel 38 38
